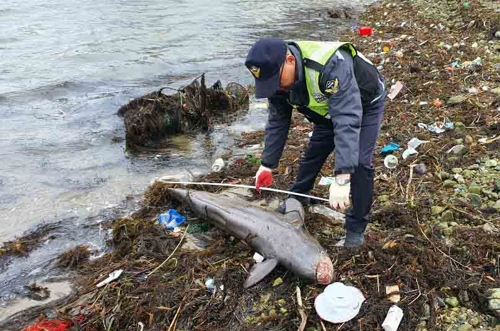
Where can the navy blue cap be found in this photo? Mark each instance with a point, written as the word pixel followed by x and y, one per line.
pixel 264 60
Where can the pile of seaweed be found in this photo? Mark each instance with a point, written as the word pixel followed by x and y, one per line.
pixel 152 118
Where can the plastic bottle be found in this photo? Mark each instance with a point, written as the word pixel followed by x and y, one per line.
pixel 218 165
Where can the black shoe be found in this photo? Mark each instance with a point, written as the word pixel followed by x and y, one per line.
pixel 354 239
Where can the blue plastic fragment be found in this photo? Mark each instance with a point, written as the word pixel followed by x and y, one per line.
pixel 389 148
pixel 171 219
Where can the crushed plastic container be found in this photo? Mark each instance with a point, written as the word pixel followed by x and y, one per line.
pixel 172 219
pixel 393 318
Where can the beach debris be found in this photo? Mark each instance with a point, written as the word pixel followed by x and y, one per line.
pixel 393 318
pixel 395 89
pixel 171 220
pixel 112 276
pixel 365 31
pixel 389 148
pixel 335 216
pixel 339 303
pixel 257 257
pixel 413 144
pixel 457 149
pixel 437 127
pixel 392 292
pixel 218 165
pixel 391 162
pixel 324 181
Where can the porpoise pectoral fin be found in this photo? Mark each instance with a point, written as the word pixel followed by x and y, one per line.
pixel 294 212
pixel 259 271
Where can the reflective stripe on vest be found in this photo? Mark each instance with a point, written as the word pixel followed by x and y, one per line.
pixel 319 53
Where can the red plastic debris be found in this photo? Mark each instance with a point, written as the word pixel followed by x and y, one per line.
pixel 49 325
pixel 365 31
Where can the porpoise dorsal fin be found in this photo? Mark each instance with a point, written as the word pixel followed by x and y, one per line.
pixel 294 212
pixel 259 271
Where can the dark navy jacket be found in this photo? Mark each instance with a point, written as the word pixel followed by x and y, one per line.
pixel 345 109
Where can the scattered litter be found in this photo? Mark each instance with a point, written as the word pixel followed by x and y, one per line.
pixel 457 149
pixel 218 165
pixel 472 90
pixel 365 31
pixel 437 127
pixel 339 303
pixel 392 292
pixel 437 103
pixel 326 181
pixel 393 318
pixel 210 285
pixel 389 148
pixel 391 161
pixel 172 219
pixel 112 276
pixel 395 89
pixel 455 64
pixel 412 147
pixel 423 103
pixel 49 325
pixel 141 326
pixel 258 258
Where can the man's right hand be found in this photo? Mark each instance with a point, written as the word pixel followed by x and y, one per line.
pixel 263 178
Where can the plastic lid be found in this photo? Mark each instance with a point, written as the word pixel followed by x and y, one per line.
pixel 339 303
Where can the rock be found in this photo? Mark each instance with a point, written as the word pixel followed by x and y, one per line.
pixel 496 90
pixel 420 169
pixel 449 183
pixel 497 205
pixel 442 225
pixel 443 175
pixel 473 167
pixel 456 99
pixel 494 305
pixel 447 216
pixel 335 217
pixel 491 163
pixel 468 173
pixel 459 126
pixel 437 210
pixel 474 188
pixel 465 327
pixel 494 293
pixel 475 199
pixel 439 303
pixel 277 282
pixel 457 149
pixel 452 302
pixel 447 232
pixel 488 228
pixel 468 140
pixel 459 178
pixel 383 198
pixel 463 296
pixel 497 185
pixel 457 170
pixel 474 321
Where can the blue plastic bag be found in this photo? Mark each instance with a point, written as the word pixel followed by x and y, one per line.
pixel 391 147
pixel 171 219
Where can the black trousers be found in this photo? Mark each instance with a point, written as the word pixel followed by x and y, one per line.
pixel 321 145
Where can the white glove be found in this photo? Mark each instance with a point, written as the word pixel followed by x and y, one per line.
pixel 339 196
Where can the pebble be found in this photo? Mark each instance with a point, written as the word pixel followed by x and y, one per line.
pixel 277 282
pixel 449 183
pixel 475 199
pixel 456 99
pixel 474 321
pixel 491 163
pixel 420 169
pixel 465 327
pixel 437 210
pixel 459 178
pixel 383 198
pixel 457 170
pixel 469 140
pixel 442 225
pixel 448 216
pixel 474 188
pixel 452 302
pixel 468 173
pixel 473 167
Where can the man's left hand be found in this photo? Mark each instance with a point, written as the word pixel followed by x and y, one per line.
pixel 339 193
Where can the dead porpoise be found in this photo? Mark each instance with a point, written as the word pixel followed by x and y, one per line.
pixel 279 238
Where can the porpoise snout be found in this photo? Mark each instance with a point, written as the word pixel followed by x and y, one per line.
pixel 324 271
